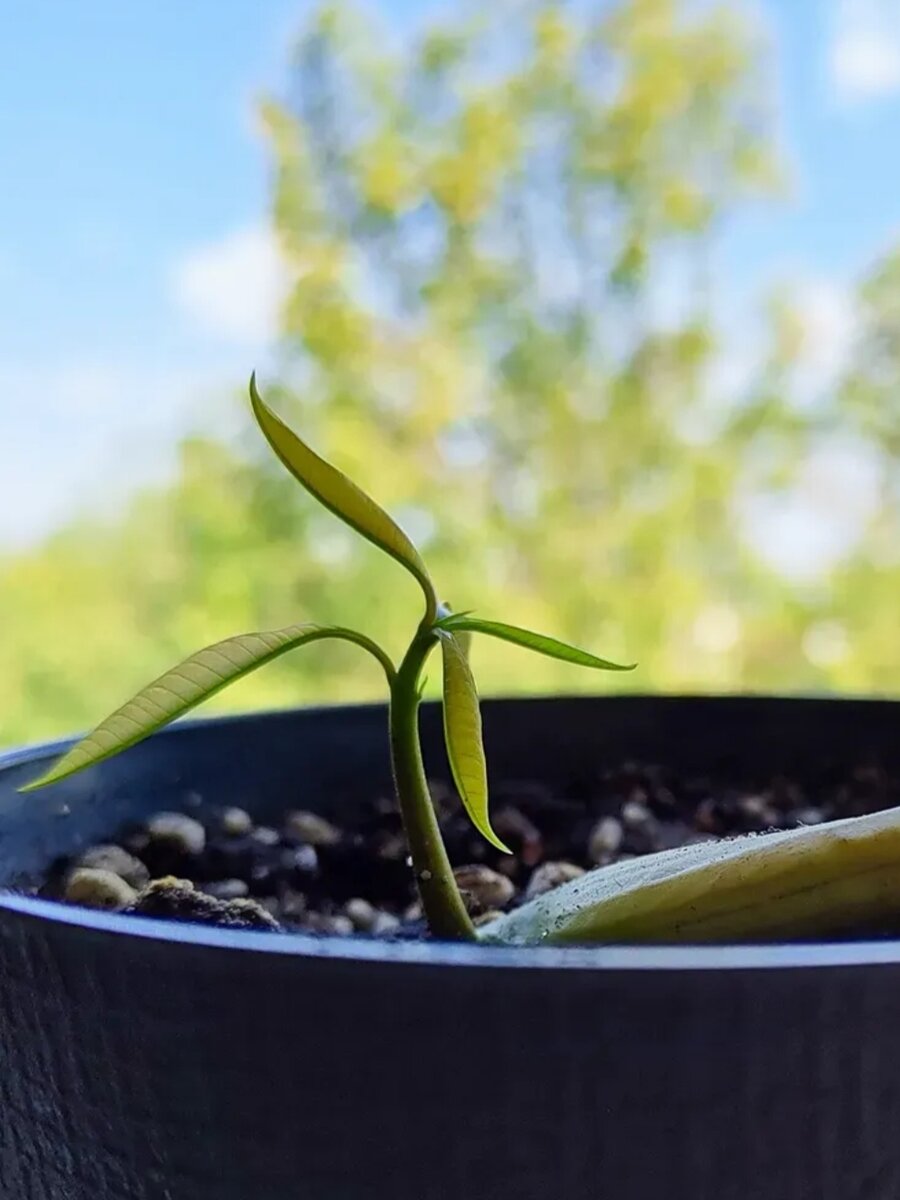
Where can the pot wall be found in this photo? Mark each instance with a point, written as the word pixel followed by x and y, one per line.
pixel 141 1061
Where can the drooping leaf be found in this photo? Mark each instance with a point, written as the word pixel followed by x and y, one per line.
pixel 539 642
pixel 196 679
pixel 816 881
pixel 339 494
pixel 462 733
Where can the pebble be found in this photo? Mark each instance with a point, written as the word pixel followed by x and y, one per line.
pixel 605 840
pixel 708 816
pixel 302 860
pixel 550 875
pixel 361 913
pixel 636 814
pixel 108 857
pixel 311 828
pixel 96 888
pixel 385 924
pixel 809 816
pixel 227 889
pixel 483 888
pixel 392 847
pixel 236 822
pixel 757 812
pixel 336 924
pixel 264 836
pixel 485 918
pixel 262 878
pixel 292 904
pixel 520 834
pixel 180 833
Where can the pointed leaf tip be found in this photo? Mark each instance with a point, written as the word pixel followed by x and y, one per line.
pixel 539 642
pixel 181 689
pixel 462 734
pixel 340 495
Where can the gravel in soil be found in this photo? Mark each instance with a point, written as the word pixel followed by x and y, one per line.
pixel 352 876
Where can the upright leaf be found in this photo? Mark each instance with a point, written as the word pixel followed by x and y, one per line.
pixel 187 685
pixel 339 494
pixel 539 642
pixel 462 733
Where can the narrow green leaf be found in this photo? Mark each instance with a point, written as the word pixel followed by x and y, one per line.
pixel 816 881
pixel 465 622
pixel 339 494
pixel 187 685
pixel 462 733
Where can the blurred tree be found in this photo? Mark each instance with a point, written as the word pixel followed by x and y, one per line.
pixel 502 320
pixel 865 412
pixel 500 238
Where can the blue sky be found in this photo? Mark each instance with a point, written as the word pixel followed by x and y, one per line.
pixel 136 276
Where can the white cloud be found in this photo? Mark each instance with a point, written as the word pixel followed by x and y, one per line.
pixel 737 364
pixel 80 436
pixel 806 532
pixel 829 321
pixel 801 534
pixel 233 287
pixel 864 58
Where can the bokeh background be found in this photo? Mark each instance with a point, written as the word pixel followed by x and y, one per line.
pixel 600 298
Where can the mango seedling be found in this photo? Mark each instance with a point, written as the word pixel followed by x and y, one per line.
pixel 208 671
pixel 808 882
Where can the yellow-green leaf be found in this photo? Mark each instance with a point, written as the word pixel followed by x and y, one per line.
pixel 462 733
pixel 539 642
pixel 339 494
pixel 187 685
pixel 816 881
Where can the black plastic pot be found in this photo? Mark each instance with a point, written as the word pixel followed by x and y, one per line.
pixel 149 1061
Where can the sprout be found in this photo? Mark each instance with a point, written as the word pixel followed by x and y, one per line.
pixel 210 670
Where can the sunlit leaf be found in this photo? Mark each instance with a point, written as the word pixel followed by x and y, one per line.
pixel 462 733
pixel 466 623
pixel 816 881
pixel 339 494
pixel 464 641
pixel 187 685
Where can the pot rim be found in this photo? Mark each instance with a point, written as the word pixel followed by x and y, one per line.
pixel 664 958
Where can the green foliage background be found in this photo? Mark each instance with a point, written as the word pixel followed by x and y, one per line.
pixel 481 227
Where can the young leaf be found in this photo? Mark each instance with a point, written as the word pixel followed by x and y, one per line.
pixel 462 733
pixel 816 881
pixel 187 685
pixel 465 622
pixel 339 494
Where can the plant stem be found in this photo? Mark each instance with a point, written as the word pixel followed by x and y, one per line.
pixel 441 902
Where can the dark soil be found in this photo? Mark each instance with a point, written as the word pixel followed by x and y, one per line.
pixel 351 875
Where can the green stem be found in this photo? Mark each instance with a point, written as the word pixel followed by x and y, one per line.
pixel 441 902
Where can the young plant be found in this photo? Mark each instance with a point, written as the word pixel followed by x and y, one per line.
pixel 209 671
pixel 815 881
